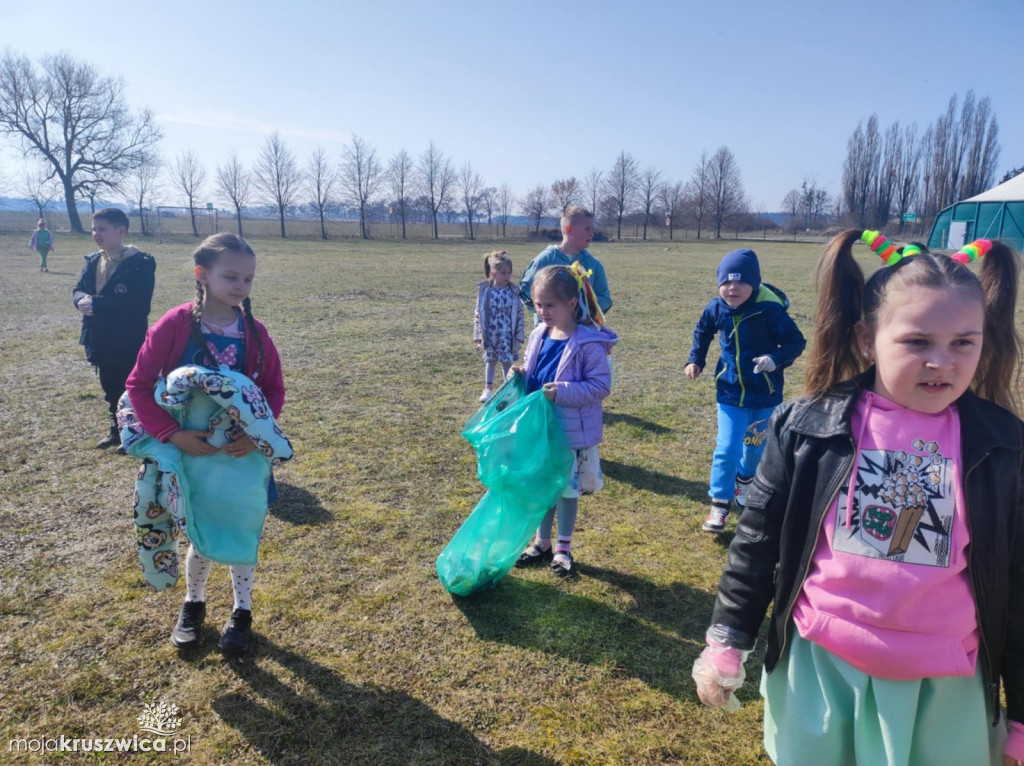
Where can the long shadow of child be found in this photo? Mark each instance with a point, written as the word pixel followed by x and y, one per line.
pixel 316 716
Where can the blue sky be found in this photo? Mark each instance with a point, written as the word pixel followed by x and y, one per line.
pixel 533 91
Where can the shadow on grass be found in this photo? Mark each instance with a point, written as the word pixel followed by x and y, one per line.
pixel 297 506
pixel 633 420
pixel 533 615
pixel 653 481
pixel 333 721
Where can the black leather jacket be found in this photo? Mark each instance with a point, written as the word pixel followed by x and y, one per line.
pixel 808 456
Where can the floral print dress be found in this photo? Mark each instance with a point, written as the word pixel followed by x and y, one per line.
pixel 499 334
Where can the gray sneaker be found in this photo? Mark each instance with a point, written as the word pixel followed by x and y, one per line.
pixel 714 522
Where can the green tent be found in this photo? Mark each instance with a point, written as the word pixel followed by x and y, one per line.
pixel 994 214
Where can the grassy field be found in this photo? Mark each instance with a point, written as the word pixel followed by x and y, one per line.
pixel 361 657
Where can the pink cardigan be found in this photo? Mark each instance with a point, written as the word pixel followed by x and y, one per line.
pixel 165 342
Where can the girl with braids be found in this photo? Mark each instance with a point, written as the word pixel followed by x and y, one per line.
pixel 885 522
pixel 216 329
pixel 567 357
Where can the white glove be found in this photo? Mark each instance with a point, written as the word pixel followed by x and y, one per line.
pixel 85 305
pixel 763 364
pixel 719 672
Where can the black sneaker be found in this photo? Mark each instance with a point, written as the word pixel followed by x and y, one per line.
pixel 189 630
pixel 237 632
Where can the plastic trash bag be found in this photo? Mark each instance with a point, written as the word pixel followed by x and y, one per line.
pixel 524 460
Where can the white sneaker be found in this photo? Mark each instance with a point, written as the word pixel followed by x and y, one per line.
pixel 714 522
pixel 486 395
pixel 742 487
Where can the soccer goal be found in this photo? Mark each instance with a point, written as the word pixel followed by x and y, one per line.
pixel 175 224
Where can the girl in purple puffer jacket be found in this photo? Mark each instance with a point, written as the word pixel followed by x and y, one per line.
pixel 567 356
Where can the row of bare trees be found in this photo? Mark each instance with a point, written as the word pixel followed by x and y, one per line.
pixel 710 199
pixel 81 139
pixel 899 170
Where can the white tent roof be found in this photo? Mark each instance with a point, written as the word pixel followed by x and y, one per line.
pixel 1008 191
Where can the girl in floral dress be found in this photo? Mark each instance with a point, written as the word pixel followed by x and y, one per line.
pixel 498 319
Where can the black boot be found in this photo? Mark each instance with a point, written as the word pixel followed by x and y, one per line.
pixel 112 439
pixel 189 630
pixel 237 632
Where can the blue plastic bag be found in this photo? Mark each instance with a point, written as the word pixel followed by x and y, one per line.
pixel 524 460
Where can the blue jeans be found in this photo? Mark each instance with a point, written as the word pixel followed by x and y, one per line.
pixel 741 437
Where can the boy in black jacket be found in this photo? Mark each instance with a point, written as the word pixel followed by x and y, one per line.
pixel 113 293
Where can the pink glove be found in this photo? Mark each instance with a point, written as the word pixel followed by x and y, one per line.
pixel 763 364
pixel 718 672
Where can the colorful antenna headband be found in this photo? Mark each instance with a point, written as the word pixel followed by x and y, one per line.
pixel 588 299
pixel 884 248
pixel 973 251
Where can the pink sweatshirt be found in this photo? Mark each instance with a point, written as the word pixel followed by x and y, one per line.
pixel 165 342
pixel 888 589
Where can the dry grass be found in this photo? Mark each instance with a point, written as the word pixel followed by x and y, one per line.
pixel 361 657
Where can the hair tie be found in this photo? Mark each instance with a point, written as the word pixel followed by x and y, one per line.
pixel 910 250
pixel 577 271
pixel 973 251
pixel 588 299
pixel 883 247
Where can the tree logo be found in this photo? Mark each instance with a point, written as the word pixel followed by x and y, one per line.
pixel 159 719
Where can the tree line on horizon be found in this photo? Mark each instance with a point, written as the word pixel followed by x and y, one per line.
pixel 81 140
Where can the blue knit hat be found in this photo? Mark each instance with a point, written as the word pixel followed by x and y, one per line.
pixel 740 265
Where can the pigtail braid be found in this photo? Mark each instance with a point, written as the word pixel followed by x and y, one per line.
pixel 196 330
pixel 250 322
pixel 998 373
pixel 840 287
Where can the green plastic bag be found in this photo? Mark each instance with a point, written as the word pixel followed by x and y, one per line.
pixel 524 460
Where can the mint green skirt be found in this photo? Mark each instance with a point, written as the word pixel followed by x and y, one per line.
pixel 821 711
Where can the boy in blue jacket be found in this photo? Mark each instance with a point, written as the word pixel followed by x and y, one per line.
pixel 759 340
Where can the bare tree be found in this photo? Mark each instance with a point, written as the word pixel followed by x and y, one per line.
pixel 40 186
pixel 813 202
pixel 621 187
pixel 791 204
pixel 980 145
pixel 535 205
pixel 488 202
pixel 565 193
pixel 400 176
pixel 860 173
pixel 321 175
pixel 591 188
pixel 235 182
pixel 75 121
pixel 505 202
pixel 648 189
pixel 698 192
pixel 277 175
pixel 142 185
pixel 726 188
pixel 671 202
pixel 1011 173
pixel 189 176
pixel 470 186
pixel 436 177
pixel 908 172
pixel 885 188
pixel 361 176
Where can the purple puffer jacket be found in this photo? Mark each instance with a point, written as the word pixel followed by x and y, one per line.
pixel 583 377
